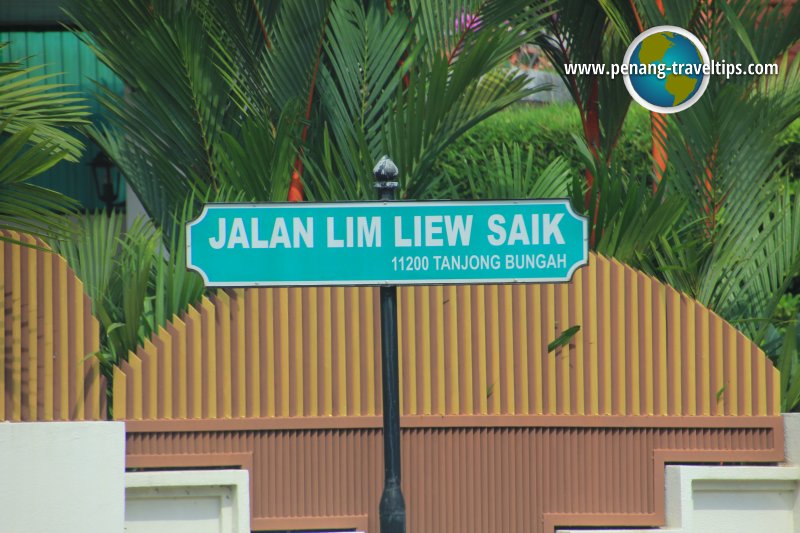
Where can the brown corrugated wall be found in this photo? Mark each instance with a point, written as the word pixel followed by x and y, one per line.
pixel 48 332
pixel 643 349
pixel 498 434
pixel 483 478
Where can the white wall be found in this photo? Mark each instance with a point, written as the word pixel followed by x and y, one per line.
pixel 744 505
pixel 133 207
pixel 187 501
pixel 63 477
pixel 730 499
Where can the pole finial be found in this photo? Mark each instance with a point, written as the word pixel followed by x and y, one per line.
pixel 386 173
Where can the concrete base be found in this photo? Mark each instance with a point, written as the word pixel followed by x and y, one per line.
pixel 733 499
pixel 62 476
pixel 190 501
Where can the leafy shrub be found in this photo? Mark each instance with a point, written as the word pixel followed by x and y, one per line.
pixel 547 132
pixel 791 155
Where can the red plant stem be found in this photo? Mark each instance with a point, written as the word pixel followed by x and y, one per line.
pixel 296 185
pixel 454 52
pixel 406 78
pixel 713 203
pixel 658 130
pixel 591 126
pixel 657 122
pixel 590 123
pixel 638 18
pixel 591 130
pixel 262 25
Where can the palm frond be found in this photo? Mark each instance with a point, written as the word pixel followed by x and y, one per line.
pixel 737 250
pixel 90 252
pixel 413 97
pixel 627 218
pixel 33 103
pixel 36 116
pixel 175 287
pixel 256 163
pixel 135 283
pixel 163 133
pixel 513 176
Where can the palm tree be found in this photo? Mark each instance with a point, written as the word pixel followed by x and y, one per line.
pixel 135 286
pixel 255 100
pixel 36 118
pixel 296 100
pixel 736 245
pixel 264 98
pixel 736 249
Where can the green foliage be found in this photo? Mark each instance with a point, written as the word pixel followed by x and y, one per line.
pixel 580 34
pixel 35 118
pixel 627 217
pixel 240 94
pixel 736 245
pixel 740 246
pixel 165 133
pixel 530 152
pixel 511 174
pixel 787 361
pixel 790 143
pixel 563 339
pixel 788 308
pixel 230 98
pixel 135 287
pixel 544 132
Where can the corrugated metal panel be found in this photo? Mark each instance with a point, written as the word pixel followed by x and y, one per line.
pixel 29 12
pixel 62 52
pixel 476 479
pixel 48 334
pixel 643 349
pixel 278 352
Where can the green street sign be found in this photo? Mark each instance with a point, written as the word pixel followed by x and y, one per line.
pixel 387 243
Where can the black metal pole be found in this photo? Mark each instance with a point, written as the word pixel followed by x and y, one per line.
pixel 393 505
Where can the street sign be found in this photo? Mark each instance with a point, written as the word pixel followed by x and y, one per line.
pixel 387 243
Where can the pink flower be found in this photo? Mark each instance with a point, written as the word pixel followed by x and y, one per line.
pixel 468 22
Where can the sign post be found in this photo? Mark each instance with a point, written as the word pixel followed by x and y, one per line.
pixel 387 243
pixel 392 506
